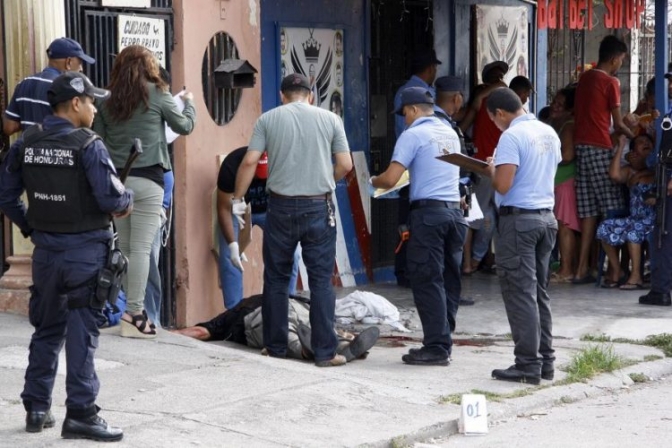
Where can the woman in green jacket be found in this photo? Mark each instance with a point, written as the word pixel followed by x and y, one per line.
pixel 138 107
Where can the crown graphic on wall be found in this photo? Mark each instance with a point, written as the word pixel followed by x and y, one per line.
pixel 502 26
pixel 311 48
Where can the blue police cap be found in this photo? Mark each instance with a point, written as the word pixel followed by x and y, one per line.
pixel 414 95
pixel 68 48
pixel 449 84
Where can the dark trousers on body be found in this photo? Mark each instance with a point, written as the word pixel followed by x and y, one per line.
pixel 434 254
pixel 290 221
pixel 522 251
pixel 60 276
pixel 661 258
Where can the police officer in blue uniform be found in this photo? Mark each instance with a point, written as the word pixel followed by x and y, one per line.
pixel 523 169
pixel 449 100
pixel 436 221
pixel 73 192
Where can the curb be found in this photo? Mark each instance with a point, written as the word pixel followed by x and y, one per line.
pixel 541 400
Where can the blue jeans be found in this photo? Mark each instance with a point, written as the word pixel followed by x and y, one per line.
pixel 153 291
pixel 434 255
pixel 289 222
pixel 231 278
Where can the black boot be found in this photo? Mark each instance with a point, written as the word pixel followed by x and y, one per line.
pixel 655 298
pixel 37 420
pixel 92 427
pixel 516 375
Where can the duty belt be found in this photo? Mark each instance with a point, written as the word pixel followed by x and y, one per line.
pixel 432 203
pixel 509 210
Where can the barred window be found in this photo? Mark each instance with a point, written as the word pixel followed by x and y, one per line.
pixel 222 103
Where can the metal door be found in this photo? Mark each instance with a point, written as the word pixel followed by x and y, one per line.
pixel 95 27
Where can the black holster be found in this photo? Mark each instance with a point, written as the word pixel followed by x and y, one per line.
pixel 110 279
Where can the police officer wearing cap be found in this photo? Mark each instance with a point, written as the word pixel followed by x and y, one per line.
pixel 423 68
pixel 436 222
pixel 230 265
pixel 29 104
pixel 449 101
pixel 73 192
pixel 522 172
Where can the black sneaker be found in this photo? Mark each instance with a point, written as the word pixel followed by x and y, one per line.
pixel 655 298
pixel 36 421
pixel 422 357
pixel 466 301
pixel 515 375
pixel 93 428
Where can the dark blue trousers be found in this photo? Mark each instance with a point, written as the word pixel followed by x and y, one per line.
pixel 288 222
pixel 433 257
pixel 661 258
pixel 59 276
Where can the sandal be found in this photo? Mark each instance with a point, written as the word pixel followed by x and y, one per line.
pixel 131 329
pixel 151 326
pixel 631 286
pixel 608 284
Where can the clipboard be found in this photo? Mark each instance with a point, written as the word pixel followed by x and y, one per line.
pixel 466 162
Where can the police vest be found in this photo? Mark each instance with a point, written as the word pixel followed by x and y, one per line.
pixel 59 195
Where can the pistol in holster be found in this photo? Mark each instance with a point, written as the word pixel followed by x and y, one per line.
pixel 110 279
pixel 404 235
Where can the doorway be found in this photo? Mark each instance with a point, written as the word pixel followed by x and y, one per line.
pixel 397 30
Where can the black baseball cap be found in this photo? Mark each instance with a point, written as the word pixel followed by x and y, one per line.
pixel 503 66
pixel 422 59
pixel 414 95
pixel 72 84
pixel 449 84
pixel 293 81
pixel 68 48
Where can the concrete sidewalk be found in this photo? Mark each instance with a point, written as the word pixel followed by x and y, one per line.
pixel 177 392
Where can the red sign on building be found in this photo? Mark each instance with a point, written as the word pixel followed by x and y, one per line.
pixel 619 14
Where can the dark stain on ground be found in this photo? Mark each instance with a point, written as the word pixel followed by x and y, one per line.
pixel 402 341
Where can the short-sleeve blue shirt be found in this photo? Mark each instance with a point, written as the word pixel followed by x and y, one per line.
pixel 417 150
pixel 534 147
pixel 29 104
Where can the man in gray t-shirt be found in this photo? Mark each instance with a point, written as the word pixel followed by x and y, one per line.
pixel 301 140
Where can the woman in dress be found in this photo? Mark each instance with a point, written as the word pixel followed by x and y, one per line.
pixel 562 120
pixel 634 229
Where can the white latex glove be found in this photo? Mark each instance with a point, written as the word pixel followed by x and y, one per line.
pixel 238 207
pixel 234 254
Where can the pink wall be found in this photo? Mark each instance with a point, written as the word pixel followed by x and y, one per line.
pixel 199 297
